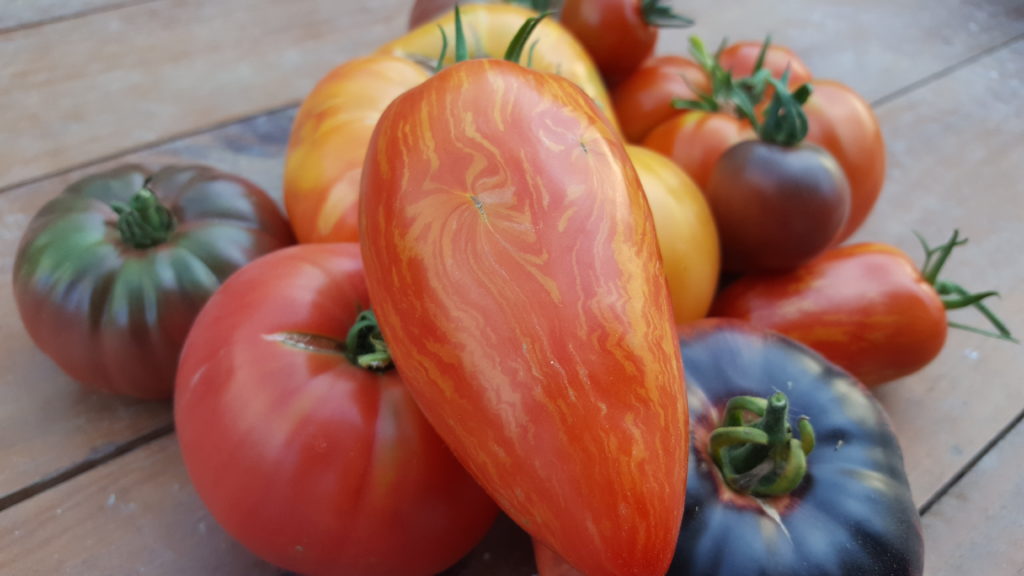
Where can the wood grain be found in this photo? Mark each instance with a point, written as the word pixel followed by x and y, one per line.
pixel 955 164
pixel 48 424
pixel 99 85
pixel 977 528
pixel 24 13
pixel 875 46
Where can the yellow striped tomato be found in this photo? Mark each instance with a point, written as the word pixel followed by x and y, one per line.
pixel 514 268
pixel 324 160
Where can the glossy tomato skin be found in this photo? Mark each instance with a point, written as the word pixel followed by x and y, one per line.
pixel 740 58
pixel 614 33
pixel 853 514
pixel 327 145
pixel 776 207
pixel 540 339
pixel 696 140
pixel 863 306
pixel 112 316
pixel 644 99
pixel 312 463
pixel 686 233
pixel 843 123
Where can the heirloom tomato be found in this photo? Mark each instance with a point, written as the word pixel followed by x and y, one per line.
pixel 644 100
pixel 763 501
pixel 865 307
pixel 111 273
pixel 777 202
pixel 301 440
pixel 514 266
pixel 619 34
pixel 324 160
pixel 686 233
pixel 741 60
pixel 768 494
pixel 840 121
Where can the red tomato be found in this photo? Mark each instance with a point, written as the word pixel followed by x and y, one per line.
pixel 644 99
pixel 840 121
pixel 313 463
pixel 619 34
pixel 696 140
pixel 686 233
pixel 514 267
pixel 865 307
pixel 740 58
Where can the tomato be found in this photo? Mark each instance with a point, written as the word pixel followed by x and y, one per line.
pixel 842 122
pixel 787 507
pixel 324 159
pixel 741 58
pixel 619 34
pixel 686 233
pixel 644 99
pixel 864 306
pixel 759 510
pixel 110 274
pixel 514 267
pixel 776 206
pixel 696 140
pixel 312 462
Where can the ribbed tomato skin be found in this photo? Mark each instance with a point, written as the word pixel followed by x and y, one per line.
pixel 514 268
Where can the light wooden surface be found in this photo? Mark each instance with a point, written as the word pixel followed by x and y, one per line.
pixel 947 77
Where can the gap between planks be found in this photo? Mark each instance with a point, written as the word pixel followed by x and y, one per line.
pixel 100 456
pixel 43 21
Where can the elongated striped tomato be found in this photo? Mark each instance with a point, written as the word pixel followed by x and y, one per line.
pixel 324 161
pixel 514 268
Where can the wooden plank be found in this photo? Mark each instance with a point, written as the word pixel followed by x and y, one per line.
pixel 48 424
pixel 954 162
pixel 875 46
pixel 95 86
pixel 140 514
pixel 24 13
pixel 977 528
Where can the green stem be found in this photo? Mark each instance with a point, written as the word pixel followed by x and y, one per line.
pixel 785 123
pixel 657 14
pixel 144 222
pixel 761 458
pixel 954 296
pixel 514 53
pixel 365 346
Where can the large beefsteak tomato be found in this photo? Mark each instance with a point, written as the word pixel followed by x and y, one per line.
pixel 324 160
pixel 513 264
pixel 311 461
pixel 111 273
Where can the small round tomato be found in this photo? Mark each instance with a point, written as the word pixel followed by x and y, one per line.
pixel 644 100
pixel 842 122
pixel 302 442
pixel 741 57
pixel 695 140
pixel 686 233
pixel 776 206
pixel 619 34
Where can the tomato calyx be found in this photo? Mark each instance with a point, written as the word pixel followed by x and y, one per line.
pixel 954 296
pixel 785 123
pixel 761 457
pixel 365 346
pixel 514 52
pixel 144 222
pixel 657 14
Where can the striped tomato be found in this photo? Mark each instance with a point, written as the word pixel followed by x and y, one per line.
pixel 514 268
pixel 328 141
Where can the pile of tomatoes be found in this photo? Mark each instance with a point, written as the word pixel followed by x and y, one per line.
pixel 499 301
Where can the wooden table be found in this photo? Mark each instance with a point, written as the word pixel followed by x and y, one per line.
pixel 94 485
